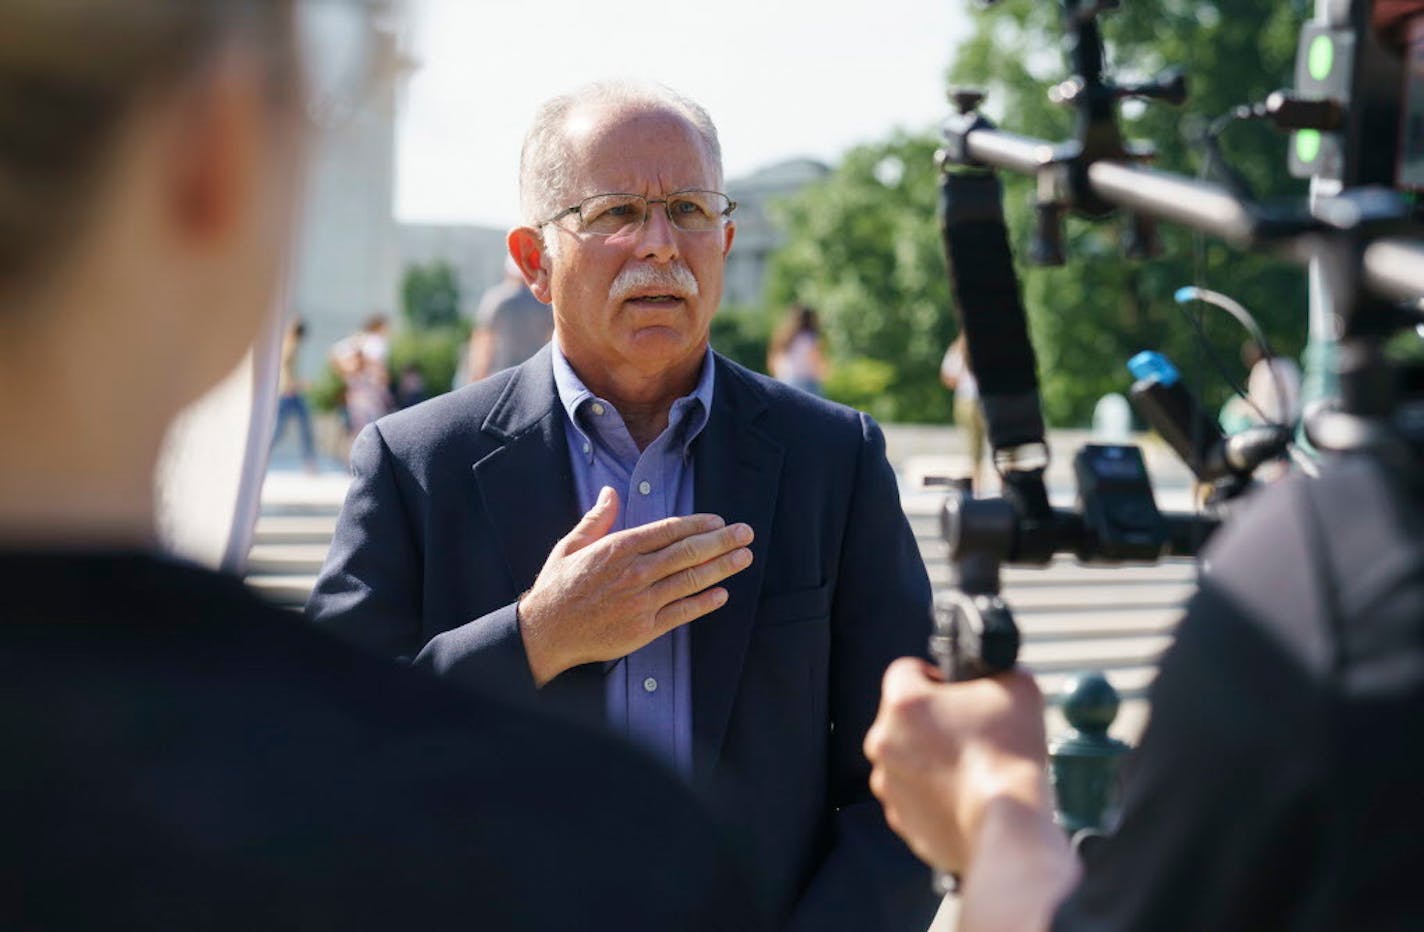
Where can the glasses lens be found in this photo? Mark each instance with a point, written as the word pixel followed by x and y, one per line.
pixel 697 210
pixel 608 214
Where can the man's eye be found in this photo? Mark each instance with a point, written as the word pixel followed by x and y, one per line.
pixel 611 215
pixel 687 207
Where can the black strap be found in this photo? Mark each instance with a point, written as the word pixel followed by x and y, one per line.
pixel 986 295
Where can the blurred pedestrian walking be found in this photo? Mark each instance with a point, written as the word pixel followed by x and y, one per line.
pixel 510 326
pixel 363 361
pixel 291 396
pixel 956 375
pixel 797 354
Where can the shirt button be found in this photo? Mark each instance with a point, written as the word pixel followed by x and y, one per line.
pixel 645 487
pixel 650 685
pixel 586 447
pixel 597 409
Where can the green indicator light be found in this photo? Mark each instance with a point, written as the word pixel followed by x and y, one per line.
pixel 1320 60
pixel 1307 145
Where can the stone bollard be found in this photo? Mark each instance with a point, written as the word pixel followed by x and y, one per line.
pixel 1084 763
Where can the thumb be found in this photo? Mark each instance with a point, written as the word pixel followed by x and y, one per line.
pixel 595 523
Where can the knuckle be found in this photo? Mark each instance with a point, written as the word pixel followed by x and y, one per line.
pixel 899 706
pixel 674 615
pixel 877 784
pixel 687 550
pixel 690 579
pixel 667 530
pixel 892 815
pixel 644 573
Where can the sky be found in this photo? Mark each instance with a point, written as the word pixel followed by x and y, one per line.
pixel 781 78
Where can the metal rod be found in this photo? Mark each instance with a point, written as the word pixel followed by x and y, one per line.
pixel 1200 205
pixel 1394 268
pixel 1022 154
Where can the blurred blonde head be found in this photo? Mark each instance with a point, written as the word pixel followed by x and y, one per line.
pixel 149 154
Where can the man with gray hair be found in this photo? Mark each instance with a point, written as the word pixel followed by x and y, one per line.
pixel 638 532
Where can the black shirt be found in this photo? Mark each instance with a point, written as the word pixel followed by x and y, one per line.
pixel 176 754
pixel 1280 783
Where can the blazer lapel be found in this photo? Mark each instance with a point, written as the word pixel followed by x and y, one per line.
pixel 527 487
pixel 737 474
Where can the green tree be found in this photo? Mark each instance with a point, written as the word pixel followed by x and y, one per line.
pixel 862 245
pixel 863 249
pixel 741 333
pixel 430 296
pixel 1089 316
pixel 434 331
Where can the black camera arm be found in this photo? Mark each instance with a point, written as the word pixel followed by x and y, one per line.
pixel 1369 257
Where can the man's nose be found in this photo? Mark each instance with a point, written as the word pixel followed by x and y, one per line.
pixel 657 240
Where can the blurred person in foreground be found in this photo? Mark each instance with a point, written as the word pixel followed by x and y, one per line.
pixel 511 325
pixel 1277 785
pixel 633 530
pixel 179 755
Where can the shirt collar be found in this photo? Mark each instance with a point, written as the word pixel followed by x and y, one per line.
pixel 693 409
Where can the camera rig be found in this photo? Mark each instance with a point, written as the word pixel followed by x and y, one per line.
pixel 1358 231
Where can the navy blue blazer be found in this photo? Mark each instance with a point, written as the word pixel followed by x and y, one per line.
pixel 457 502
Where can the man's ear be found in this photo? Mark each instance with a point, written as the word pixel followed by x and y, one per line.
pixel 729 232
pixel 526 248
pixel 216 154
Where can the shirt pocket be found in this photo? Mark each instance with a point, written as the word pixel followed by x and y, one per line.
pixel 795 605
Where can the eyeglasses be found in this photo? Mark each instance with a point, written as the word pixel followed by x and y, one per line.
pixel 612 214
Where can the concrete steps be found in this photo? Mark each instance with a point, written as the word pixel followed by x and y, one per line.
pixel 287 590
pixel 293 534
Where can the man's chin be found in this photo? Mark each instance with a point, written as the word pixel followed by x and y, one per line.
pixel 660 347
pixel 659 337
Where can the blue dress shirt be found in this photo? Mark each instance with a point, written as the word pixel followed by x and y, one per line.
pixel 649 692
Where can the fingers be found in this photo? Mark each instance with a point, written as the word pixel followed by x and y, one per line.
pixel 593 525
pixel 699 575
pixel 695 550
pixel 908 683
pixel 690 609
pixel 908 677
pixel 650 538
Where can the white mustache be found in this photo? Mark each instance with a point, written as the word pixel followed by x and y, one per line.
pixel 675 279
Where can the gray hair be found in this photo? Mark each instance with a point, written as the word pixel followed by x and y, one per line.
pixel 545 186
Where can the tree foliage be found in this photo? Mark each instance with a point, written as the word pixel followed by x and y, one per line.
pixel 862 248
pixel 434 332
pixel 862 245
pixel 430 296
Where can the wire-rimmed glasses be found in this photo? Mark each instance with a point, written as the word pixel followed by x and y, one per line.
pixel 691 211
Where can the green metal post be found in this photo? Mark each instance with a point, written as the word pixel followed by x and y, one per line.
pixel 1084 763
